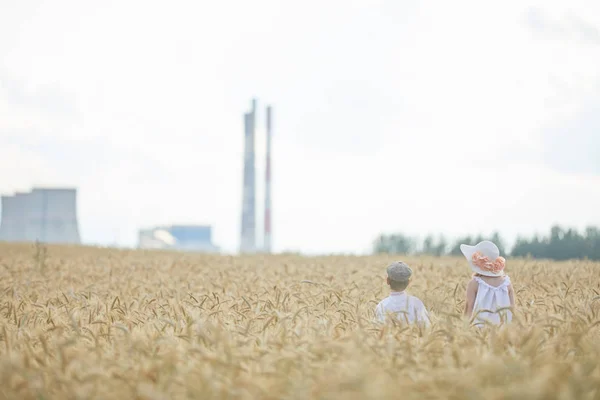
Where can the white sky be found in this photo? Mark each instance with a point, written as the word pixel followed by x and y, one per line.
pixel 415 116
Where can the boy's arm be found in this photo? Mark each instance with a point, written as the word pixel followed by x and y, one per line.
pixel 379 316
pixel 424 317
pixel 470 297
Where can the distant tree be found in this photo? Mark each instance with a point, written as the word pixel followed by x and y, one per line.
pixel 441 247
pixel 539 247
pixel 592 239
pixel 497 239
pixel 522 248
pixel 575 245
pixel 432 247
pixel 556 245
pixel 393 244
pixel 560 244
pixel 428 245
pixel 455 251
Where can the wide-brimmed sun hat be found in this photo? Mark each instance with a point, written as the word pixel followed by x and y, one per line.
pixel 484 258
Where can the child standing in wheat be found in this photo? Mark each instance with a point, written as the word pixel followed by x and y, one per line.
pixel 406 308
pixel 490 295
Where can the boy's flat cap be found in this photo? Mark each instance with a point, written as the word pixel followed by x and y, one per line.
pixel 399 271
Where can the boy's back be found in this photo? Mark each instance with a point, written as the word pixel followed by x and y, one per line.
pixel 407 308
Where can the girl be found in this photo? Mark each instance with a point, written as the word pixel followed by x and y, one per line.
pixel 490 295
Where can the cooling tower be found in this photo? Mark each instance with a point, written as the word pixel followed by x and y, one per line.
pixel 248 228
pixel 45 215
pixel 10 228
pixel 267 225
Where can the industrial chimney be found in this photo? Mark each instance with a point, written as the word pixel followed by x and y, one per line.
pixel 267 226
pixel 248 228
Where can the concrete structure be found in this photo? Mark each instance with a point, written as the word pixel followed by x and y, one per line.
pixel 248 242
pixel 248 227
pixel 44 215
pixel 267 222
pixel 178 237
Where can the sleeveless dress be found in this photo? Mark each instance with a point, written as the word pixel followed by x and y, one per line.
pixel 489 303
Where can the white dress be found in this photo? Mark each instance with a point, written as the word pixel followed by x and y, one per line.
pixel 490 302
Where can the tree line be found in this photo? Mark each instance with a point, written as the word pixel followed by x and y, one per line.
pixel 559 244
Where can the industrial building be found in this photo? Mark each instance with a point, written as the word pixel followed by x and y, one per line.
pixel 248 239
pixel 178 237
pixel 248 227
pixel 47 215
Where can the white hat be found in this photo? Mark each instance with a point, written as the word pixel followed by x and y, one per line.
pixel 484 258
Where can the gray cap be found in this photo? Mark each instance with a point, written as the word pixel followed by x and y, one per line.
pixel 399 271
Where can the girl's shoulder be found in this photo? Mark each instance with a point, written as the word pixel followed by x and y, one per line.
pixel 473 284
pixel 493 283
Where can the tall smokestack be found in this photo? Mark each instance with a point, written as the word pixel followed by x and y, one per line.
pixel 267 238
pixel 248 231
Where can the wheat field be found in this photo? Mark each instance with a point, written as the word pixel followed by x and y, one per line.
pixel 88 323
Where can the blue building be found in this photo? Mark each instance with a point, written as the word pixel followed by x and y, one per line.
pixel 178 237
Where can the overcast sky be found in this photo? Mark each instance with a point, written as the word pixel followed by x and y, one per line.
pixel 414 116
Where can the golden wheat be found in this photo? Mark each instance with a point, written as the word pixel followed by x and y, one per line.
pixel 79 323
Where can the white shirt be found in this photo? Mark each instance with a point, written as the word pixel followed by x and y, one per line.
pixel 494 299
pixel 407 308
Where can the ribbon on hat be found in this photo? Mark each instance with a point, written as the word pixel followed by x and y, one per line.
pixel 486 264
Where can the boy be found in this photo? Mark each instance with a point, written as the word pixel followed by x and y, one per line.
pixel 406 308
